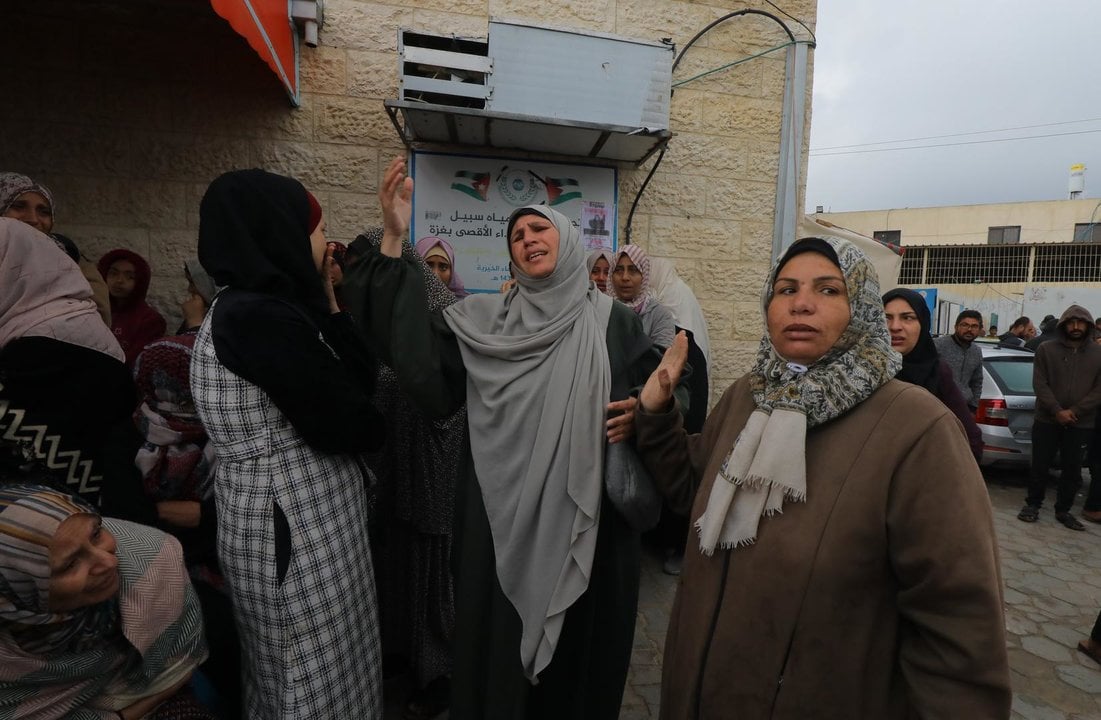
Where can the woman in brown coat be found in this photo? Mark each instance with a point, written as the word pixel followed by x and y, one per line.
pixel 845 565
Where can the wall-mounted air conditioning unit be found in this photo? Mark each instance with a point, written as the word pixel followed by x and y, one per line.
pixel 536 88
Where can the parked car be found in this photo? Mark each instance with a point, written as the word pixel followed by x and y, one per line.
pixel 1006 406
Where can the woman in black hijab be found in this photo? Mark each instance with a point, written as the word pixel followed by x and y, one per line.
pixel 908 322
pixel 283 385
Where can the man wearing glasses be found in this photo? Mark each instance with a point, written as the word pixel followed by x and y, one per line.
pixel 963 356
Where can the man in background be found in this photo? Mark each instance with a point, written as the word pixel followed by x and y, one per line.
pixel 1067 380
pixel 961 354
pixel 1047 332
pixel 1021 331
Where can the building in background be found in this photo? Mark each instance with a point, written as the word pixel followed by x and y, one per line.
pixel 1004 260
pixel 128 108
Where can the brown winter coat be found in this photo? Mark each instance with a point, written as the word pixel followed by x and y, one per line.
pixel 880 597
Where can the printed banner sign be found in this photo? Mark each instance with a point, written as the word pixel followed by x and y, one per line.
pixel 467 201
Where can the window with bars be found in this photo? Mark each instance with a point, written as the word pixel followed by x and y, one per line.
pixel 1068 263
pixel 912 261
pixel 1004 235
pixel 977 264
pixel 1087 232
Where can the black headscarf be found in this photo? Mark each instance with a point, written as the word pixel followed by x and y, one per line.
pixel 919 366
pixel 254 235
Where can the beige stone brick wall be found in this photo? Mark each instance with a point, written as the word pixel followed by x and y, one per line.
pixel 128 109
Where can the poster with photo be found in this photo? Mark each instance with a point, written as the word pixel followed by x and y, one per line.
pixel 467 200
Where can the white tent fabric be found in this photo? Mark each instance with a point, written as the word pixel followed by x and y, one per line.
pixel 886 261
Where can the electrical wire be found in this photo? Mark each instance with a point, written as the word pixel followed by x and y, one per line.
pixel 705 73
pixel 955 144
pixel 952 135
pixel 627 228
pixel 785 12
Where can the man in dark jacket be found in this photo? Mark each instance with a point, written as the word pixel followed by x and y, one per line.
pixel 1020 331
pixel 1067 380
pixel 1047 332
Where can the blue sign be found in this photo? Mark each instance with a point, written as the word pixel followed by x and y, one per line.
pixel 930 295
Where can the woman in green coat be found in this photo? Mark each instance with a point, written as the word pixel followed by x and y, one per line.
pixel 546 569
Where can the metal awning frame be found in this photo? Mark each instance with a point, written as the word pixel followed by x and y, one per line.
pixel 453 115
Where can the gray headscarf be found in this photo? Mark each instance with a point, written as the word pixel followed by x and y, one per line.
pixel 201 279
pixel 538 380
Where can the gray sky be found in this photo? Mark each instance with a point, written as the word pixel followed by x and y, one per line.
pixel 904 69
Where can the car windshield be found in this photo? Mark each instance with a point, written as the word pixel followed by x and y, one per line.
pixel 1013 374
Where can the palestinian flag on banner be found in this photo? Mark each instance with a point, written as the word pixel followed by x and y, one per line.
pixel 474 184
pixel 560 190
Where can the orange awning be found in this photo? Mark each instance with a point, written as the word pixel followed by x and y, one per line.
pixel 268 27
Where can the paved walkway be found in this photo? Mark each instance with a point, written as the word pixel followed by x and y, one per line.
pixel 1052 593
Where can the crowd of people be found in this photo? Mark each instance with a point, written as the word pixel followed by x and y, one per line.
pixel 344 466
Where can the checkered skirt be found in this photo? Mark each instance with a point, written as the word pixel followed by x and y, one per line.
pixel 310 646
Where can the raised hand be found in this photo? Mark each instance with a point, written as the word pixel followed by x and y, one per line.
pixel 395 194
pixel 657 393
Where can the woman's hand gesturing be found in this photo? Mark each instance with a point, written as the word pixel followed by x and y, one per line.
pixel 657 393
pixel 396 197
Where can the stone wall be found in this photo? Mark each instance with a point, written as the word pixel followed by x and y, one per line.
pixel 128 109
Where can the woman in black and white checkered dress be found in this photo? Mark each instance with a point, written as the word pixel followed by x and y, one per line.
pixel 283 384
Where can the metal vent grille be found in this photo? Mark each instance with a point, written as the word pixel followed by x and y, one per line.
pixel 977 264
pixel 1068 263
pixel 912 261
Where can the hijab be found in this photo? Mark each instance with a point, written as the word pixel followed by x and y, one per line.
pixel 670 290
pixel 105 656
pixel 202 281
pixel 642 261
pixel 12 185
pixel 44 294
pixel 254 234
pixel 424 248
pixel 767 464
pixel 596 255
pixel 538 380
pixel 920 365
pixel 29 518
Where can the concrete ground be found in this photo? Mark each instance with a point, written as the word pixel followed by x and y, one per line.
pixel 1052 597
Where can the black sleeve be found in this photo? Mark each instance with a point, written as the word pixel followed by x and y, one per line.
pixel 277 347
pixel 387 297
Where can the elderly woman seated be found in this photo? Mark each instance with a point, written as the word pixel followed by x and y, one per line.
pixel 97 617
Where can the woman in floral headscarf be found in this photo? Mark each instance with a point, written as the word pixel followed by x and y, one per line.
pixel 845 564
pixel 631 286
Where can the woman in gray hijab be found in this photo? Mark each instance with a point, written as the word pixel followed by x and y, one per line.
pixel 546 569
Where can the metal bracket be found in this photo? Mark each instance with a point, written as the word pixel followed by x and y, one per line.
pixel 309 15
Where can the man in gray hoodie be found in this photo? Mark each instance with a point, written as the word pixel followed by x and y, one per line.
pixel 1067 380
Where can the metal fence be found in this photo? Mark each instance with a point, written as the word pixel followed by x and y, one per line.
pixel 965 264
